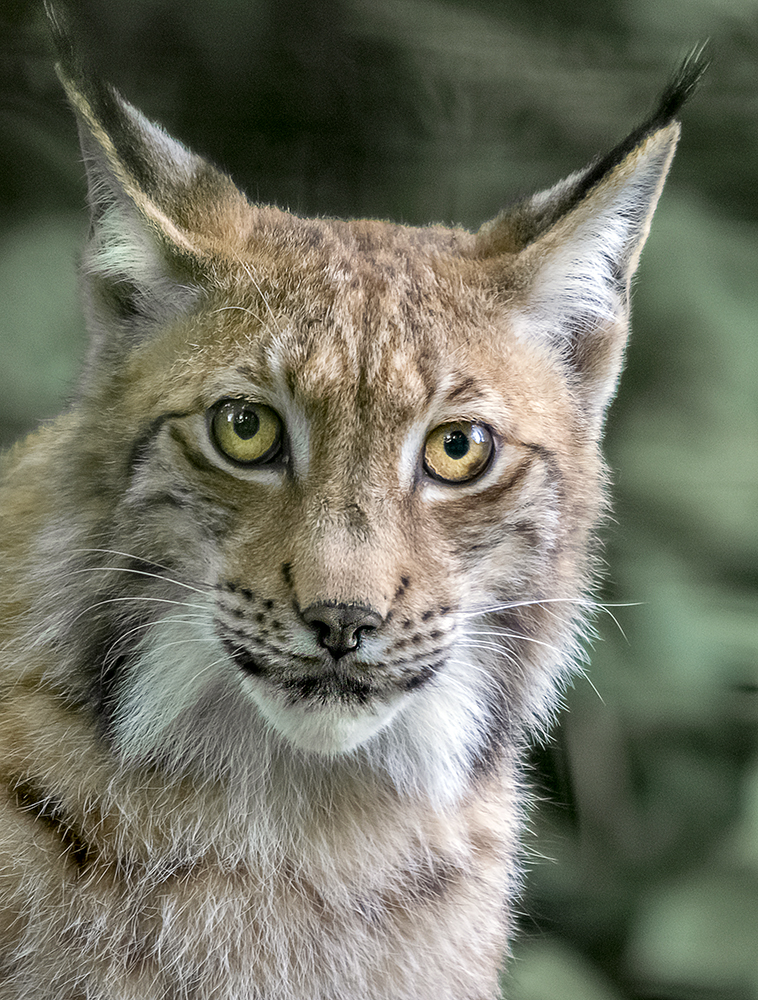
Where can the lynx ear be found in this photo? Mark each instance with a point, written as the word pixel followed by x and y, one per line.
pixel 159 212
pixel 138 257
pixel 571 251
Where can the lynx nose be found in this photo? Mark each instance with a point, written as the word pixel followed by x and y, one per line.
pixel 340 627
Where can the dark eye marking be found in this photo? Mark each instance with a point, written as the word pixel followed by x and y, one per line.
pixel 142 444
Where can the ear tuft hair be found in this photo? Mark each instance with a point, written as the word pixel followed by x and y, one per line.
pixel 682 86
pixel 62 37
pixel 526 220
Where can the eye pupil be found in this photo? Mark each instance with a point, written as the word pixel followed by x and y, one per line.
pixel 247 433
pixel 456 444
pixel 458 452
pixel 246 424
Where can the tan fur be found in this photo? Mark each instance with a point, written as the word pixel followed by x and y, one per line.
pixel 198 799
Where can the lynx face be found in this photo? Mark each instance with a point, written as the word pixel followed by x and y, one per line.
pixel 351 486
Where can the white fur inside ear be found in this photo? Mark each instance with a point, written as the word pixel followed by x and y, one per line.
pixel 576 289
pixel 184 162
pixel 123 251
pixel 582 267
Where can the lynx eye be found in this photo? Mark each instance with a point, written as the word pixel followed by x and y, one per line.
pixel 458 452
pixel 247 433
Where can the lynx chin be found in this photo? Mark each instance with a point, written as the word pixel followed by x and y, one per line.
pixel 292 584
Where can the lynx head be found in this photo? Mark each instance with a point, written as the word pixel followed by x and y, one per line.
pixel 331 484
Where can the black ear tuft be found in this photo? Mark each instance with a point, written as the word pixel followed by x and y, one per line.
pixel 527 220
pixel 682 86
pixel 62 35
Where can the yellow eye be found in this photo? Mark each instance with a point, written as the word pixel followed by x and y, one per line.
pixel 458 452
pixel 247 433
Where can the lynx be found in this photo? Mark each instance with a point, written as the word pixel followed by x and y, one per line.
pixel 289 589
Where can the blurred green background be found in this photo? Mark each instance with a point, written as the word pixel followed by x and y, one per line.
pixel 643 853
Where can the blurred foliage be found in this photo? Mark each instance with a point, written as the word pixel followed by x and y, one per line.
pixel 643 878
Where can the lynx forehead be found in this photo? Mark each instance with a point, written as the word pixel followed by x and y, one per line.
pixel 290 586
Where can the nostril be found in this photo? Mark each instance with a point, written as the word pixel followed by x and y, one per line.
pixel 341 627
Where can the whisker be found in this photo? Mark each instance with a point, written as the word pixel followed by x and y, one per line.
pixel 528 603
pixel 147 599
pixel 539 601
pixel 258 288
pixel 472 666
pixel 474 643
pixel 594 606
pixel 207 667
pixel 606 608
pixel 183 619
pixel 514 635
pixel 110 656
pixel 587 677
pixel 140 572
pixel 182 642
pixel 126 555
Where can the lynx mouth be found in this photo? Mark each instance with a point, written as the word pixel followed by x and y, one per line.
pixel 328 687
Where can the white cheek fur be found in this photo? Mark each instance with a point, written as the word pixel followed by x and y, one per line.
pixel 178 660
pixel 181 680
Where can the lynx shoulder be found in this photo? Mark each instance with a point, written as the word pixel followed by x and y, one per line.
pixel 289 588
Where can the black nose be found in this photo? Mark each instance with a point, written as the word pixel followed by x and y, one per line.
pixel 340 627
